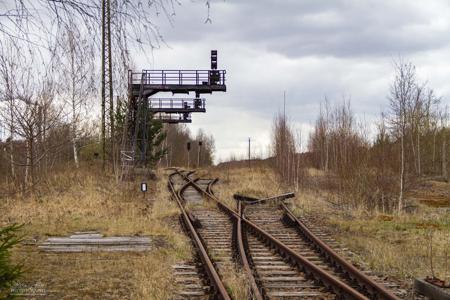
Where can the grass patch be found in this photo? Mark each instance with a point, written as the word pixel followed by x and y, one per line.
pixel 393 245
pixel 85 200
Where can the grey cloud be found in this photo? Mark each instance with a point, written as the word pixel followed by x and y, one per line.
pixel 301 28
pixel 311 49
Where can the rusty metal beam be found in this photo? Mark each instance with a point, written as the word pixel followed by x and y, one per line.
pixel 251 200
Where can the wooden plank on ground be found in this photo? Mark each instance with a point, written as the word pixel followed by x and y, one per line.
pixel 94 241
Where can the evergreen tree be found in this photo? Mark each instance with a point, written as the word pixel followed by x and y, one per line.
pixel 9 272
pixel 154 131
pixel 156 136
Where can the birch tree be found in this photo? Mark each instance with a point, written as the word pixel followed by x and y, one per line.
pixel 403 91
pixel 10 61
pixel 76 81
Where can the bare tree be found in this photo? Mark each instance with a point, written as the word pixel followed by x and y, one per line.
pixel 444 128
pixel 8 72
pixel 284 149
pixel 31 112
pixel 76 78
pixel 129 23
pixel 403 91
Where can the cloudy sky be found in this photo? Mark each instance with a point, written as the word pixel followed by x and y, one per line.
pixel 308 48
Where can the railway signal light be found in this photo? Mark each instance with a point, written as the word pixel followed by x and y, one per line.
pixel 213 59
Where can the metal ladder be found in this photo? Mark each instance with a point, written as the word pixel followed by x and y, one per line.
pixel 128 152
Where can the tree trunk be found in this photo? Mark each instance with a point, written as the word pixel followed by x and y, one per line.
pixel 11 143
pixel 419 162
pixel 434 151
pixel 31 170
pixel 74 112
pixel 44 141
pixel 74 145
pixel 402 174
pixel 444 157
pixel 27 165
pixel 413 148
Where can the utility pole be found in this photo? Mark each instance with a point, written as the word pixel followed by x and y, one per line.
pixel 249 153
pixel 107 98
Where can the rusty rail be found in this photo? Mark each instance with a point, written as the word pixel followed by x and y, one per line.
pixel 251 200
pixel 364 282
pixel 255 292
pixel 215 281
pixel 309 268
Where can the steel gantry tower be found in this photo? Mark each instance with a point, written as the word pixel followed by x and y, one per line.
pixel 142 106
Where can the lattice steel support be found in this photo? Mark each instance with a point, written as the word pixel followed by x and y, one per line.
pixel 107 86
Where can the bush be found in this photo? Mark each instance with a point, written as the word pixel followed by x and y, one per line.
pixel 9 272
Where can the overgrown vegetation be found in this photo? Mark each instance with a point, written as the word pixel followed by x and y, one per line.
pixel 410 144
pixel 403 247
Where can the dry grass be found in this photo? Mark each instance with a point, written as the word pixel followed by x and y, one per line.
pixel 258 182
pixel 86 200
pixel 392 245
pixel 236 283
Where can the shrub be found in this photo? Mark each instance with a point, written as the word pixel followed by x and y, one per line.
pixel 9 272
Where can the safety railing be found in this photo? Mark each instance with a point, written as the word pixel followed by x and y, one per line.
pixel 177 103
pixel 174 117
pixel 177 77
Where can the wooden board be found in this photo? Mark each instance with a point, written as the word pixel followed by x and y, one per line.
pixel 94 241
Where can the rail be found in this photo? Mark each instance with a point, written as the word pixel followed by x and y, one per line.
pixel 372 287
pixel 213 276
pixel 255 291
pixel 177 77
pixel 302 262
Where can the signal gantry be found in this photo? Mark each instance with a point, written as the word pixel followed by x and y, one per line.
pixel 142 107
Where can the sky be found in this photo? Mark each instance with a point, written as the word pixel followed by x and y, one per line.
pixel 307 48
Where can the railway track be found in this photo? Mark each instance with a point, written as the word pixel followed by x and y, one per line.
pixel 200 280
pixel 280 256
pixel 282 224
